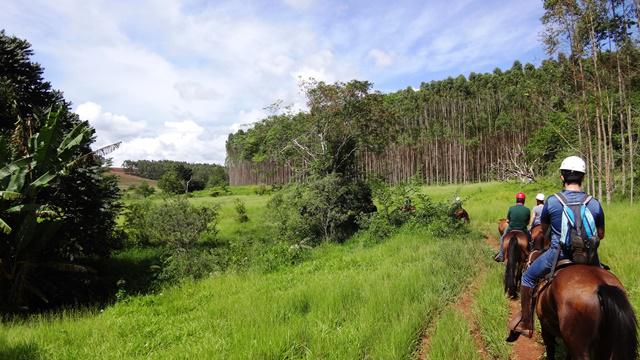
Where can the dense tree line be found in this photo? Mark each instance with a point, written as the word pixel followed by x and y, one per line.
pixel 56 206
pixel 179 176
pixel 585 99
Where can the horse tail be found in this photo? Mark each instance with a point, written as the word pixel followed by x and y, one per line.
pixel 513 258
pixel 619 328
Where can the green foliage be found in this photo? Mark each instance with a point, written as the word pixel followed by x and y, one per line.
pixel 201 175
pixel 241 211
pixel 171 222
pixel 322 209
pixel 406 204
pixel 33 241
pixel 178 227
pixel 144 189
pixel 171 183
pixel 58 208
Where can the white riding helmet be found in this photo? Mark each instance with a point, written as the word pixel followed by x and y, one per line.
pixel 573 163
pixel 540 197
pixel 457 198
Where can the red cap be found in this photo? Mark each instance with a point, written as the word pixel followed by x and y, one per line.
pixel 520 195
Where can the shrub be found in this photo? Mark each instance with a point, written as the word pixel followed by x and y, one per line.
pixel 404 204
pixel 262 190
pixel 241 210
pixel 144 189
pixel 323 209
pixel 170 183
pixel 173 222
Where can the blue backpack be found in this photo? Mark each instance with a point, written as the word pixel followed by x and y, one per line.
pixel 579 236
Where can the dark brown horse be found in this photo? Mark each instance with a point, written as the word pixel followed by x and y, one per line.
pixel 587 308
pixel 461 214
pixel 516 254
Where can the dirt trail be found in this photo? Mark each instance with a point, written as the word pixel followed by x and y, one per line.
pixel 524 348
pixel 464 305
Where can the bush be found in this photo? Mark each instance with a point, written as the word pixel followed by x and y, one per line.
pixel 241 210
pixel 144 190
pixel 178 226
pixel 323 209
pixel 173 222
pixel 171 183
pixel 262 190
pixel 404 204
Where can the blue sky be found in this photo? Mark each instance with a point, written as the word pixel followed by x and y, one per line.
pixel 171 79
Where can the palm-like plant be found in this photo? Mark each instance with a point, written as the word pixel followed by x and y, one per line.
pixel 27 226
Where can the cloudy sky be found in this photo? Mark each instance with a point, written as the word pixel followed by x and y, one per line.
pixel 171 79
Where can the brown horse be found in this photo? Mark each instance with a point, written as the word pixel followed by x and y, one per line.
pixel 588 308
pixel 516 254
pixel 461 214
pixel 540 240
pixel 502 225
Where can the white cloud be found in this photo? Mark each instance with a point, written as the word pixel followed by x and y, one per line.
pixel 110 127
pixel 299 4
pixel 171 78
pixel 380 57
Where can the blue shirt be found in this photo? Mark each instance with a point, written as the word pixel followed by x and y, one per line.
pixel 552 213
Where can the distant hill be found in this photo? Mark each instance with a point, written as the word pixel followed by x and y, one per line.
pixel 125 180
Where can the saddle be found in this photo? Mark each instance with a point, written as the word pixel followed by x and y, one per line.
pixel 544 283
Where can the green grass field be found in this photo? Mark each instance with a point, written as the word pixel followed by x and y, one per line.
pixel 348 301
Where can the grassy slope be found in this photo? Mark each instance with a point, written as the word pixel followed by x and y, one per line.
pixel 348 301
pixel 126 180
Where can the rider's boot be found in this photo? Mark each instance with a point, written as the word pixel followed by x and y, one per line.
pixel 522 324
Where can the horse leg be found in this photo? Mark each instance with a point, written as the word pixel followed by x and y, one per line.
pixel 549 343
pixel 577 348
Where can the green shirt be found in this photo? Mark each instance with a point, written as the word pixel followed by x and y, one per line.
pixel 518 217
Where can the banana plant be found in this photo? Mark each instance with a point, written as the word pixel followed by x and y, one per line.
pixel 26 225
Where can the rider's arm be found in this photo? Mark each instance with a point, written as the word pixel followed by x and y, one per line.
pixel 539 245
pixel 600 222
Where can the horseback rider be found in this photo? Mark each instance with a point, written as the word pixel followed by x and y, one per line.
pixel 537 210
pixel 518 218
pixel 584 213
pixel 455 206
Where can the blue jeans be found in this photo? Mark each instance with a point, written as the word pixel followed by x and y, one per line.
pixel 540 267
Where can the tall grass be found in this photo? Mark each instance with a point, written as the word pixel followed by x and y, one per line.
pixel 349 301
pixel 452 338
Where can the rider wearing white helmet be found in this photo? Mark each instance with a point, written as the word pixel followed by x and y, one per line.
pixel 555 214
pixel 537 210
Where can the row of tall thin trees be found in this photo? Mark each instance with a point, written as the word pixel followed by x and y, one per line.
pixel 584 99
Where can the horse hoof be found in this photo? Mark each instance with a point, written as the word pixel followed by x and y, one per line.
pixel 513 336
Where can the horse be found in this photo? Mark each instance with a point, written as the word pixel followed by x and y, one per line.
pixel 587 307
pixel 461 214
pixel 516 254
pixel 502 225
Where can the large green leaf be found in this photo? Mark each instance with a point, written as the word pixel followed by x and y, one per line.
pixel 72 141
pixel 4 227
pixel 10 195
pixel 46 144
pixel 8 170
pixel 43 180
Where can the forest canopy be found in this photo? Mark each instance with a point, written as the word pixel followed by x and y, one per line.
pixel 514 123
